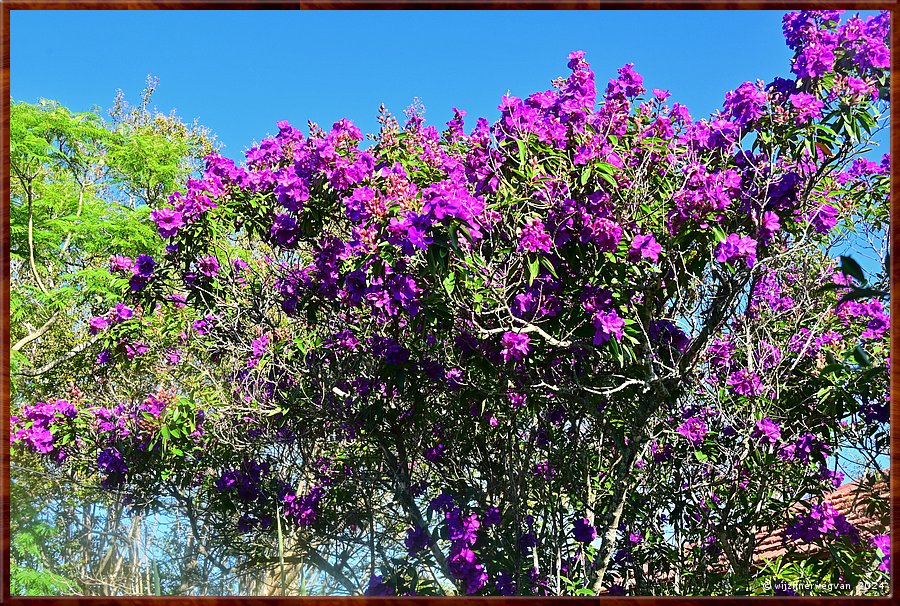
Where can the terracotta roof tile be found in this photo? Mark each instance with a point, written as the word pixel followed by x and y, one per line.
pixel 848 500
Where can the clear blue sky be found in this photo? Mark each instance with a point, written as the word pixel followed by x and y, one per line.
pixel 240 72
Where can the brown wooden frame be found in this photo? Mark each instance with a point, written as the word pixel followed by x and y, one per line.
pixel 7 5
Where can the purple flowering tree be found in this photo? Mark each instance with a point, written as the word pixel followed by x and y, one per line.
pixel 596 346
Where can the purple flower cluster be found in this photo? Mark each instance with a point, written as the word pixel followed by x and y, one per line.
pixel 806 447
pixel 597 302
pixel 303 510
pixel 694 430
pixel 644 247
pixel 737 247
pixel 818 45
pixel 32 427
pixel 245 481
pixel 377 586
pixel 462 562
pixel 745 382
pixel 168 221
pixel 877 320
pixel 767 431
pixel 882 543
pixel 534 237
pixel 111 463
pixel 584 531
pixel 258 347
pixel 821 521
pixel 416 540
pixel 746 104
pixel 515 346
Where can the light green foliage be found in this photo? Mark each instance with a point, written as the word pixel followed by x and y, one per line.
pixel 81 190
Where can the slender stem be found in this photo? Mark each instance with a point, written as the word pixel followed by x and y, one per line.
pixel 280 549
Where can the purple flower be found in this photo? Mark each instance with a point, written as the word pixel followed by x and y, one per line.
pixel 835 477
pixel 442 502
pixel 377 586
pixel 768 225
pixel 631 81
pixel 583 531
pixel 284 231
pixel 808 107
pixel 133 350
pixel 144 265
pixel 534 237
pixel 806 447
pixel 98 324
pixel 767 431
pixel 607 324
pixel 416 540
pixel 821 521
pixel 103 357
pixel 464 567
pixel 720 352
pixel 824 218
pixel 259 347
pixel 505 584
pixel 745 104
pixel 693 430
pixel 644 247
pixel 882 542
pixel 119 264
pixel 636 537
pixel 744 383
pixel 434 453
pixel 168 221
pixel 42 416
pixel 816 59
pixel 208 266
pixel 515 346
pixel 460 528
pixel 737 247
pixel 137 282
pixel 491 517
pixel 110 461
pixel 204 325
pixel 304 510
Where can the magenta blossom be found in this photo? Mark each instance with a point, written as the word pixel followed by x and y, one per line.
pixel 644 247
pixel 534 237
pixel 767 431
pixel 515 346
pixel 168 221
pixel 694 430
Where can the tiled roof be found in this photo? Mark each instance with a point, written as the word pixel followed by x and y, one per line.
pixel 850 500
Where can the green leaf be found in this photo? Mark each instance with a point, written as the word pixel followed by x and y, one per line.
pixel 862 358
pixel 718 233
pixel 863 293
pixel 850 267
pixel 449 282
pixel 521 145
pixel 533 269
pixel 585 175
